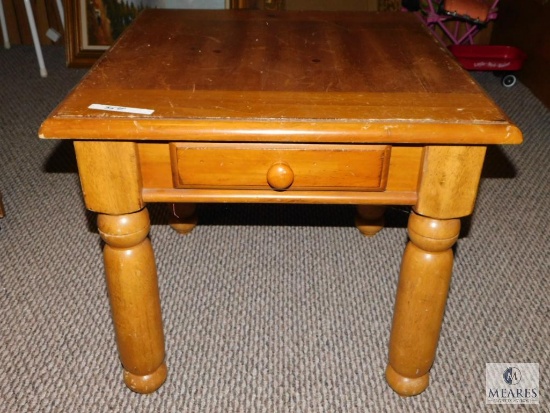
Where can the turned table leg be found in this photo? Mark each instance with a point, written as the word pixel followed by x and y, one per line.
pixel 420 303
pixel 183 217
pixel 370 219
pixel 135 303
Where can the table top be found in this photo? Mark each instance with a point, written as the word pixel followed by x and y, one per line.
pixel 230 75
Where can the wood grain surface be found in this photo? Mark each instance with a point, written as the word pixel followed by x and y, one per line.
pixel 290 76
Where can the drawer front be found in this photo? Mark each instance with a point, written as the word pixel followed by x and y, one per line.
pixel 280 166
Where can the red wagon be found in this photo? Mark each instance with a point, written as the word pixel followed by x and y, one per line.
pixel 490 57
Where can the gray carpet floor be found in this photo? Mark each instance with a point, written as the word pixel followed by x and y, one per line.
pixel 266 308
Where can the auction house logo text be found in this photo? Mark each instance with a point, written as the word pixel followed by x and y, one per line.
pixel 514 383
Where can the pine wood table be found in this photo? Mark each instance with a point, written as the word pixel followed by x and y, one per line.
pixel 303 107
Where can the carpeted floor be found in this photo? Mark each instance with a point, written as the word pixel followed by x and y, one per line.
pixel 266 308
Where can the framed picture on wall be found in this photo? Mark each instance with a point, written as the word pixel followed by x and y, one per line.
pixel 93 25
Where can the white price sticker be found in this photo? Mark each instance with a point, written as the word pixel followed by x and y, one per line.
pixel 112 108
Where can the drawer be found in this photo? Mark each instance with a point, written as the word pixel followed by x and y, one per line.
pixel 280 166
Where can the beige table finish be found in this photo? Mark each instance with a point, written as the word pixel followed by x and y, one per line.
pixel 289 107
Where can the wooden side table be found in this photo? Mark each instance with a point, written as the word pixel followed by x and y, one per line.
pixel 280 107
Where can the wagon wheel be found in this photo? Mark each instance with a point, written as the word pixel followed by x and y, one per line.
pixel 509 80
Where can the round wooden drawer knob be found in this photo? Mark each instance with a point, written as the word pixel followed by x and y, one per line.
pixel 280 176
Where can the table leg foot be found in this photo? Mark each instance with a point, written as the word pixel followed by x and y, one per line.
pixel 420 303
pixel 369 219
pixel 406 386
pixel 135 303
pixel 148 383
pixel 183 217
